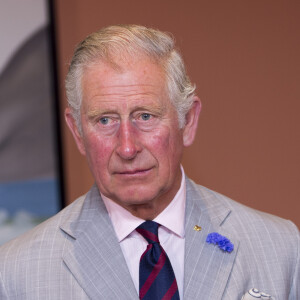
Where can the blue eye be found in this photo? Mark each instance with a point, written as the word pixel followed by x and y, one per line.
pixel 145 117
pixel 104 120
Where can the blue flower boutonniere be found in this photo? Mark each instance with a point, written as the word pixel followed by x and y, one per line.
pixel 222 241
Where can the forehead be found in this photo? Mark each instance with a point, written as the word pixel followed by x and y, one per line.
pixel 130 79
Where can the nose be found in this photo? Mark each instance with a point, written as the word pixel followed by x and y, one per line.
pixel 128 144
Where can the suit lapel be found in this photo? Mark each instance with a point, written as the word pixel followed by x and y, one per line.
pixel 207 268
pixel 94 257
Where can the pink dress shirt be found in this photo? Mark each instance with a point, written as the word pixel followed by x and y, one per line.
pixel 171 234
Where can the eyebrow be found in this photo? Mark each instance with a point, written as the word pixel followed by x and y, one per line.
pixel 96 112
pixel 157 109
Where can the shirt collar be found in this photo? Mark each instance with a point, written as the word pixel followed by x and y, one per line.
pixel 172 217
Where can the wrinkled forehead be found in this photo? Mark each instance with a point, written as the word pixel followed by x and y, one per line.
pixel 126 79
pixel 111 69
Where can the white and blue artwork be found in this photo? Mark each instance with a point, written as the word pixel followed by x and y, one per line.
pixel 29 181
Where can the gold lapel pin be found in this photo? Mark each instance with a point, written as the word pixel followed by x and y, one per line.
pixel 197 228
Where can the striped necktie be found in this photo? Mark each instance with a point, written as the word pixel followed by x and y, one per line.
pixel 157 278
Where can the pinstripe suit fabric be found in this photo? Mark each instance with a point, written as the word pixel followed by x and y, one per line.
pixel 76 255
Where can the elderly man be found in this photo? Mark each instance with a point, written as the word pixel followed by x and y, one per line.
pixel 145 230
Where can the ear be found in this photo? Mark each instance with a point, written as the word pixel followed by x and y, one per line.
pixel 74 130
pixel 191 124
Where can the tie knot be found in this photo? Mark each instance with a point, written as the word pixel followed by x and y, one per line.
pixel 149 231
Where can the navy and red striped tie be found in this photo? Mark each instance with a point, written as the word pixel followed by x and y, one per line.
pixel 157 278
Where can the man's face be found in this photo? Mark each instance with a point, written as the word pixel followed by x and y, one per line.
pixel 130 134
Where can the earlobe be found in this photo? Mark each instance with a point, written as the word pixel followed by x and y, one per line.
pixel 192 117
pixel 74 130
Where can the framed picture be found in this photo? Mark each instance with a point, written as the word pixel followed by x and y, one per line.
pixel 30 178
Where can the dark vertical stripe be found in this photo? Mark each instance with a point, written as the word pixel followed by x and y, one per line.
pixel 160 263
pixel 56 102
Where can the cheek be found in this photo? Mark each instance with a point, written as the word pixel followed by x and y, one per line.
pixel 158 140
pixel 100 150
pixel 165 144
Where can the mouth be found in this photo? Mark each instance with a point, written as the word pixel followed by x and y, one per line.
pixel 135 172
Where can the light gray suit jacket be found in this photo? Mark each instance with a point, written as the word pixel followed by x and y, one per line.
pixel 76 255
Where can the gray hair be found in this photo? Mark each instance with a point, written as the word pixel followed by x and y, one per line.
pixel 121 41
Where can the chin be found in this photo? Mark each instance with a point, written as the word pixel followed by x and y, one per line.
pixel 136 196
